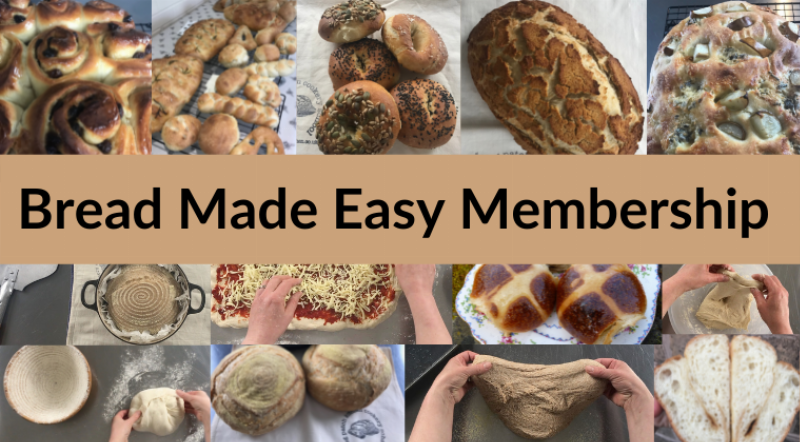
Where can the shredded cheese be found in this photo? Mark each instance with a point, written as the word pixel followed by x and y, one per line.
pixel 347 289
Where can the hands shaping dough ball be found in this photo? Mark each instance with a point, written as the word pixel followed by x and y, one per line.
pixel 346 377
pixel 162 411
pixel 366 59
pixel 257 388
pixel 219 134
pixel 417 46
pixel 180 132
pixel 351 20
pixel 427 113
pixel 360 118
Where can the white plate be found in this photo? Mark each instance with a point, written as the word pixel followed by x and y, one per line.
pixel 682 313
pixel 551 331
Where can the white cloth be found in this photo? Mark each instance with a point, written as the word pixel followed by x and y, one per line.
pixel 86 328
pixel 382 421
pixel 621 26
pixel 314 86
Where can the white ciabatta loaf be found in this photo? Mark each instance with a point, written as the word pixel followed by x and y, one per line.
pixel 346 377
pixel 752 364
pixel 709 368
pixel 777 416
pixel 673 389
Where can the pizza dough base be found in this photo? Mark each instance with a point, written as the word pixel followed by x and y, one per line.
pixel 728 304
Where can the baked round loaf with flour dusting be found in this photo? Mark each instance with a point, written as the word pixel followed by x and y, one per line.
pixel 257 388
pixel 726 80
pixel 552 83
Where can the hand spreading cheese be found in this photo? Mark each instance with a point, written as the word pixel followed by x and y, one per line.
pixel 728 304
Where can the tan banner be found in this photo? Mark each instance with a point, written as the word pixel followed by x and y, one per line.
pixel 645 192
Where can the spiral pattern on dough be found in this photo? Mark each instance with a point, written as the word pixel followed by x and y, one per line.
pixel 61 54
pixel 47 384
pixel 142 299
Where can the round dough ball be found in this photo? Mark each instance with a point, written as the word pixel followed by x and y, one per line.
pixel 366 59
pixel 219 134
pixel 427 113
pixel 180 132
pixel 346 377
pixel 417 46
pixel 233 56
pixel 162 411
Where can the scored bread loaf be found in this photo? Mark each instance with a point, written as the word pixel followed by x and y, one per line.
pixel 783 403
pixel 752 365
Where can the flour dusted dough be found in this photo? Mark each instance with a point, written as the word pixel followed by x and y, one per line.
pixel 162 411
pixel 537 401
pixel 728 304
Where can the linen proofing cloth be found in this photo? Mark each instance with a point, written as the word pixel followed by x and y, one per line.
pixel 382 421
pixel 86 328
pixel 314 86
pixel 620 25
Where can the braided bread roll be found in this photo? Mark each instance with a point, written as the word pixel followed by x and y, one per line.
pixel 257 388
pixel 60 55
pixel 516 298
pixel 18 19
pixel 10 126
pixel 271 69
pixel 263 91
pixel 244 110
pixel 258 137
pixel 15 83
pixel 597 301
pixel 86 117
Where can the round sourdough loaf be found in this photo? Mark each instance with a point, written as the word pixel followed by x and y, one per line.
pixel 552 83
pixel 346 377
pixel 726 80
pixel 257 388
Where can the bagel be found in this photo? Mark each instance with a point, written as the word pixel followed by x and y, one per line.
pixel 351 20
pixel 427 113
pixel 417 46
pixel 360 118
pixel 366 59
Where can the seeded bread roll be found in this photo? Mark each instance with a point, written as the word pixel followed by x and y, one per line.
pixel 417 46
pixel 233 56
pixel 218 134
pixel 244 37
pixel 268 52
pixel 231 81
pixel 552 83
pixel 351 20
pixel 180 132
pixel 205 39
pixel 366 59
pixel 427 113
pixel 360 118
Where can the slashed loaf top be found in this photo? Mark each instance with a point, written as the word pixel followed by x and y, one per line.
pixel 725 81
pixel 552 83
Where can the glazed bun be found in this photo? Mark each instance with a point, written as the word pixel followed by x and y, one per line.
pixel 366 59
pixel 425 53
pixel 360 118
pixel 351 21
pixel 427 113
pixel 218 134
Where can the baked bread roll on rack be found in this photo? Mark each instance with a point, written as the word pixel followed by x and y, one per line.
pixel 351 20
pixel 15 83
pixel 417 46
pixel 597 301
pixel 244 37
pixel 86 117
pixel 231 81
pixel 180 132
pixel 287 43
pixel 271 69
pixel 218 134
pixel 256 16
pixel 244 110
pixel 175 80
pixel 263 91
pixel 260 136
pixel 205 39
pixel 365 59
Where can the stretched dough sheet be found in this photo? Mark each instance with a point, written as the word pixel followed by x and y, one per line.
pixel 314 86
pixel 619 25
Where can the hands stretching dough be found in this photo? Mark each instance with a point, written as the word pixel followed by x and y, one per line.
pixel 416 280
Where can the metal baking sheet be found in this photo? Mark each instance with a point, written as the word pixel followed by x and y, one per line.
pixel 473 421
pixel 118 373
pixel 397 329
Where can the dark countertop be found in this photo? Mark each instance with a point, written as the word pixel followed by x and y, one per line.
pixel 185 368
pixel 789 276
pixel 40 314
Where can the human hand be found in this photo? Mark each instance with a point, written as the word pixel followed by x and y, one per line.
pixel 624 386
pixel 690 277
pixel 270 314
pixel 454 380
pixel 122 425
pixel 774 309
pixel 416 280
pixel 198 404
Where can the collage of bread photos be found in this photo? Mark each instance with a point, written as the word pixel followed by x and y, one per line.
pixel 399 352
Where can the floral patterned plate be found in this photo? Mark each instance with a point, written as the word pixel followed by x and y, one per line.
pixel 551 332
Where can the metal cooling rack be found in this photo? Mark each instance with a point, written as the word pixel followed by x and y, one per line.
pixel 676 14
pixel 164 44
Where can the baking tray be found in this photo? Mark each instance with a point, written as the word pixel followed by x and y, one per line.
pixel 473 421
pixel 675 14
pixel 164 46
pixel 397 329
